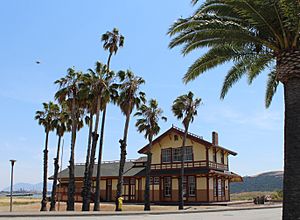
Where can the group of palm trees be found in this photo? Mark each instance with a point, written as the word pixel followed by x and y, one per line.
pixel 81 98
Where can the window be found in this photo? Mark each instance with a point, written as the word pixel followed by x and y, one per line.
pixel 176 154
pixel 222 157
pixel 192 186
pixel 215 155
pixel 166 155
pixel 223 188
pixel 167 186
pixel 219 187
pixel 176 137
pixel 151 180
pixel 215 187
pixel 125 181
pixel 188 154
pixel 156 180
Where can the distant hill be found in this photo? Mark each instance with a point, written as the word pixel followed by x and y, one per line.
pixel 270 181
pixel 28 187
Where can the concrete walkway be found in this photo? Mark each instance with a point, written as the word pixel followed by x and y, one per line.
pixel 132 213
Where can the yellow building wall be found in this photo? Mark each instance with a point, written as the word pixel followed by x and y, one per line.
pixel 102 184
pixel 169 142
pixel 114 183
pixel 201 183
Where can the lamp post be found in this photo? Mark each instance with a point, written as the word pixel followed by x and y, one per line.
pixel 11 182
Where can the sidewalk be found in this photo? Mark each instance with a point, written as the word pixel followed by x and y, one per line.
pixel 108 213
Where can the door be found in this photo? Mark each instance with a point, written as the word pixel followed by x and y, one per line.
pixel 108 190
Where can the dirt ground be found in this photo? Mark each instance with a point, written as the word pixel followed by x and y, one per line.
pixel 32 205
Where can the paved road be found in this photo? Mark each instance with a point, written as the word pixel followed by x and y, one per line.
pixel 264 214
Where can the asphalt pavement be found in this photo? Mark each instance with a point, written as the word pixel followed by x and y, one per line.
pixel 256 214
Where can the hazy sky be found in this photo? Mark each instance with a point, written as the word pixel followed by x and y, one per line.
pixel 62 34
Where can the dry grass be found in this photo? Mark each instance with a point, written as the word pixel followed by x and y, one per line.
pixel 249 195
pixel 33 205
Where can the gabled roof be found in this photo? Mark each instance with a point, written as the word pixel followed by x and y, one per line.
pixel 191 136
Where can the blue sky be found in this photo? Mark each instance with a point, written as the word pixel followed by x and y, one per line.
pixel 63 34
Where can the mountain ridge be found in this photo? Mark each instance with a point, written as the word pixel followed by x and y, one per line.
pixel 263 182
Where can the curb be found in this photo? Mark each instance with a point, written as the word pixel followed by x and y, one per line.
pixel 99 214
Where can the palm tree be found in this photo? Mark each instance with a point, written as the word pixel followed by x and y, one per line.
pixel 129 98
pixel 62 123
pixel 69 92
pixel 148 124
pixel 256 35
pixel 97 83
pixel 90 107
pixel 112 41
pixel 184 107
pixel 45 118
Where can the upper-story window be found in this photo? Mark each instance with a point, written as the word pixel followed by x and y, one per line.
pixel 222 157
pixel 215 155
pixel 188 153
pixel 176 137
pixel 174 154
pixel 166 155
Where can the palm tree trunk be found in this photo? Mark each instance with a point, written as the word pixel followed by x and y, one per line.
pixel 123 144
pixel 56 168
pixel 87 163
pixel 71 186
pixel 180 196
pixel 147 183
pixel 95 137
pixel 44 198
pixel 108 61
pixel 98 178
pixel 291 186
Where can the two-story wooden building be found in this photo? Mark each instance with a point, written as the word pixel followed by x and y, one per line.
pixel 207 176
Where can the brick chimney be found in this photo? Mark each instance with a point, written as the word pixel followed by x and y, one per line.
pixel 215 139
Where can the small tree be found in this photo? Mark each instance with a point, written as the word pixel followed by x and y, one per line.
pixel 148 124
pixel 184 107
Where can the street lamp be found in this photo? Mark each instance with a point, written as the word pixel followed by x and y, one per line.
pixel 11 182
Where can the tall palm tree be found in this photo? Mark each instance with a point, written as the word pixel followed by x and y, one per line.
pixel 184 107
pixel 69 92
pixel 129 98
pixel 112 41
pixel 90 108
pixel 97 83
pixel 256 35
pixel 61 123
pixel 148 124
pixel 109 94
pixel 45 118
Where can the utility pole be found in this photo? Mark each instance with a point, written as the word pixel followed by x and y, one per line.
pixel 11 182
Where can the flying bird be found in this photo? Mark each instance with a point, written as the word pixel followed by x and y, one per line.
pixel 37 62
